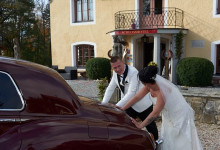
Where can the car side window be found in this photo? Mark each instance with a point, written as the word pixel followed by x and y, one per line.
pixel 10 97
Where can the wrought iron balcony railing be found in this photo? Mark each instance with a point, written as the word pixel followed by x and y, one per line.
pixel 149 19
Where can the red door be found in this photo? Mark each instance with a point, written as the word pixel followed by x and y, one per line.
pixel 151 14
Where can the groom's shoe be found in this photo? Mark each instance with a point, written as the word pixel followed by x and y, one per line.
pixel 158 144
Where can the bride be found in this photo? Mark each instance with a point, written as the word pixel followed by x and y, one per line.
pixel 178 130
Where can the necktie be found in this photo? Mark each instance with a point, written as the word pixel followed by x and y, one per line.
pixel 122 83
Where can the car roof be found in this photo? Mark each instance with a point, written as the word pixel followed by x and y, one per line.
pixel 38 82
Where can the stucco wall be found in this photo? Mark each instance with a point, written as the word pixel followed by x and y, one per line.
pixel 198 18
pixel 63 34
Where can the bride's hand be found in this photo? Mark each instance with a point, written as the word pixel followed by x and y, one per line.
pixel 136 123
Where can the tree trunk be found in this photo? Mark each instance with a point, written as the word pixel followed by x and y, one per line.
pixel 17 53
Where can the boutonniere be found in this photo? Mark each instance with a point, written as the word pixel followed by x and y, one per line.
pixel 123 83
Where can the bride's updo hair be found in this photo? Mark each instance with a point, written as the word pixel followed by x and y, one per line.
pixel 148 74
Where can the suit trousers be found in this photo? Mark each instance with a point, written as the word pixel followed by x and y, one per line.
pixel 152 127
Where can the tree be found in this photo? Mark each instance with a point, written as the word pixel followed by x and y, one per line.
pixel 17 17
pixel 19 20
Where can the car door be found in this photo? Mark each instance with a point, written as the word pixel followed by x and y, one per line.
pixel 9 130
pixel 10 104
pixel 64 129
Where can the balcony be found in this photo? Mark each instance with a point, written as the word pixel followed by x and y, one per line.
pixel 149 19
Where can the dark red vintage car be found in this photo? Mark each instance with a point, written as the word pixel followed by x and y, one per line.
pixel 39 111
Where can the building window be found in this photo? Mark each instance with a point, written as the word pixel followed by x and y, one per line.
pixel 158 6
pixel 146 7
pixel 84 53
pixel 218 59
pixel 216 8
pixel 215 56
pixel 83 10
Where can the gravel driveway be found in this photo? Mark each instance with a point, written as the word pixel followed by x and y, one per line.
pixel 209 134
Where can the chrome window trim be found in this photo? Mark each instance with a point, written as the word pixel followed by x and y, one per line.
pixel 19 93
pixel 13 120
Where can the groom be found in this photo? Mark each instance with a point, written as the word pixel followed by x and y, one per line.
pixel 125 78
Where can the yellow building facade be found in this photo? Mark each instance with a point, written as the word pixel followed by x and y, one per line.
pixel 145 29
pixel 65 33
pixel 202 19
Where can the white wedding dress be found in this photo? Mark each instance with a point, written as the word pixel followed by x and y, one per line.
pixel 178 130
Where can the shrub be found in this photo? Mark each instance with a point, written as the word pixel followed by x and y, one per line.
pixel 97 68
pixel 179 44
pixel 194 71
pixel 102 85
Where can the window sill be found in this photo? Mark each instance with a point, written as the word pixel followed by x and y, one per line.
pixel 83 23
pixel 216 16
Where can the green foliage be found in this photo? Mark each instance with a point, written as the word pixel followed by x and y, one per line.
pixel 18 19
pixel 97 68
pixel 102 84
pixel 179 44
pixel 194 71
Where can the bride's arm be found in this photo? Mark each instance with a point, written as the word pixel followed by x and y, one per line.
pixel 153 115
pixel 136 98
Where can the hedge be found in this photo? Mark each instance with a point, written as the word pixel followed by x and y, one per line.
pixel 97 68
pixel 195 71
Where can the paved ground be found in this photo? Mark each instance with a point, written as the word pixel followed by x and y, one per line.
pixel 209 134
pixel 85 88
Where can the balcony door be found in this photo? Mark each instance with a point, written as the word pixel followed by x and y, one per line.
pixel 151 13
pixel 218 59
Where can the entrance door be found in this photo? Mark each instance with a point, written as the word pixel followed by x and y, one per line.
pixel 218 59
pixel 148 53
pixel 162 61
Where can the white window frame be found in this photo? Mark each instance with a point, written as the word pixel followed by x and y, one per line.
pixel 72 16
pixel 213 53
pixel 214 9
pixel 73 50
